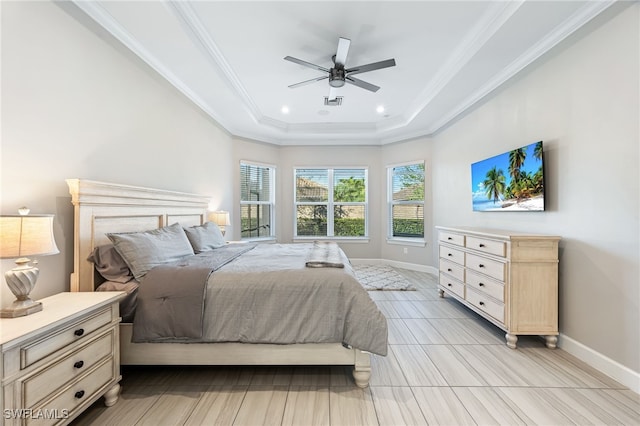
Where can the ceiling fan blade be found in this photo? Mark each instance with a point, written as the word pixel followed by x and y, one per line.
pixel 303 83
pixel 362 84
pixel 305 63
pixel 370 67
pixel 343 50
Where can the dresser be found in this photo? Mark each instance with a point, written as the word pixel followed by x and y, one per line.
pixel 509 278
pixel 57 362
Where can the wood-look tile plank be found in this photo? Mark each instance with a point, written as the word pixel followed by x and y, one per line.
pixel 486 407
pixel 453 367
pixel 399 333
pixel 341 375
pixel 311 376
pixel 418 369
pixel 534 405
pixel 441 406
pixel 219 405
pixel 387 309
pixel 351 406
pixel 454 333
pixel 405 308
pixel 307 405
pixel 397 406
pixel 483 331
pixel 132 404
pixel 492 369
pixel 174 406
pixel 379 295
pixel 570 373
pixel 578 407
pixel 385 371
pixel 262 405
pixel 271 375
pixel 424 332
pixel 618 402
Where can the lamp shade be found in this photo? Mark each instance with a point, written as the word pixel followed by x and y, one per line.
pixel 22 236
pixel 220 218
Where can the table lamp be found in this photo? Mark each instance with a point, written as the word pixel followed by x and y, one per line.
pixel 20 236
pixel 220 218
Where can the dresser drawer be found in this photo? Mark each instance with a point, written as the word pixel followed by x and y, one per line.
pixel 51 343
pixel 486 304
pixel 498 248
pixel 485 285
pixel 453 255
pixel 38 386
pixel 493 268
pixel 453 269
pixel 75 395
pixel 451 238
pixel 454 286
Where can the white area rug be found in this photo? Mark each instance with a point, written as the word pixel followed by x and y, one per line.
pixel 381 277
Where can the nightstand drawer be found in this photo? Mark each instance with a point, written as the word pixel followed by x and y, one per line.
pixel 486 304
pixel 486 285
pixel 45 382
pixel 452 269
pixel 453 255
pixel 493 268
pixel 51 343
pixel 76 394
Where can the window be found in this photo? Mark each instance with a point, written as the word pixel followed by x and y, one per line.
pixel 406 200
pixel 257 187
pixel 331 203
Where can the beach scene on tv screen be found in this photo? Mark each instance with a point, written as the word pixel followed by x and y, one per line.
pixel 512 181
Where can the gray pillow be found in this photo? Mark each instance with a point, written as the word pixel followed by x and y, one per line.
pixel 110 264
pixel 145 250
pixel 205 237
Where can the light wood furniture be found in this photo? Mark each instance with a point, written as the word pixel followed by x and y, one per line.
pixel 57 362
pixel 101 207
pixel 509 278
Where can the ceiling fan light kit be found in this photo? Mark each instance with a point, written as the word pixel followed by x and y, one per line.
pixel 338 75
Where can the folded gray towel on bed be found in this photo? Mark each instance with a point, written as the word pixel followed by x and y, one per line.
pixel 325 255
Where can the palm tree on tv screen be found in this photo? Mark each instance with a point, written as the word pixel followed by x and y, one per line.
pixel 494 184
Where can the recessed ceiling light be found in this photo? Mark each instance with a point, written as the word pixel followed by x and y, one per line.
pixel 380 109
pixel 285 109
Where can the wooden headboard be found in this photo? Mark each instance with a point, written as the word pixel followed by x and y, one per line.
pixel 100 208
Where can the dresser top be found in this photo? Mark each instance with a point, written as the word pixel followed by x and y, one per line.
pixel 56 309
pixel 496 233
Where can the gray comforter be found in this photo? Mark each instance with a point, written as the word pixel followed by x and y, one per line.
pixel 268 295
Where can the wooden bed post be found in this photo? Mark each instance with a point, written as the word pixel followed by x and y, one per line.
pixel 362 368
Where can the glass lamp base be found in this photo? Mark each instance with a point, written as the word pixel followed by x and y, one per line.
pixel 21 308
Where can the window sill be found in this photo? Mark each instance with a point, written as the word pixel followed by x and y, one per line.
pixel 354 240
pixel 416 242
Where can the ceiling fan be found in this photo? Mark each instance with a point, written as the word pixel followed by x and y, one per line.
pixel 338 75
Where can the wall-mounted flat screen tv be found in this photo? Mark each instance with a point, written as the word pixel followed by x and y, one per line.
pixel 513 181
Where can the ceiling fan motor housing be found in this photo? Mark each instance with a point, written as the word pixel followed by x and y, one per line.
pixel 336 77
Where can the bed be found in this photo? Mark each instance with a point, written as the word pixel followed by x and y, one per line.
pixel 102 209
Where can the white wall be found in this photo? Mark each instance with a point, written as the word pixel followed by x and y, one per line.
pixel 582 101
pixel 77 106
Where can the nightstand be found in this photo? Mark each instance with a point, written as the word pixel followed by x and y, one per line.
pixel 57 362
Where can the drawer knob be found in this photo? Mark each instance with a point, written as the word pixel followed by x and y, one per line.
pixel 448 269
pixel 449 254
pixel 78 364
pixel 481 266
pixel 480 245
pixel 481 303
pixel 79 394
pixel 79 332
pixel 449 238
pixel 449 284
pixel 481 284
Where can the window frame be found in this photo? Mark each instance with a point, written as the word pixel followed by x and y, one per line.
pixel 331 203
pixel 406 240
pixel 271 203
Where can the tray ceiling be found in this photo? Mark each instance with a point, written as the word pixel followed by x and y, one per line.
pixel 227 58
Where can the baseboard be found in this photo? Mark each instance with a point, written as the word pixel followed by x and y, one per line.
pixel 402 265
pixel 611 368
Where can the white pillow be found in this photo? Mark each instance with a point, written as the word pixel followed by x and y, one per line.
pixel 143 251
pixel 205 237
